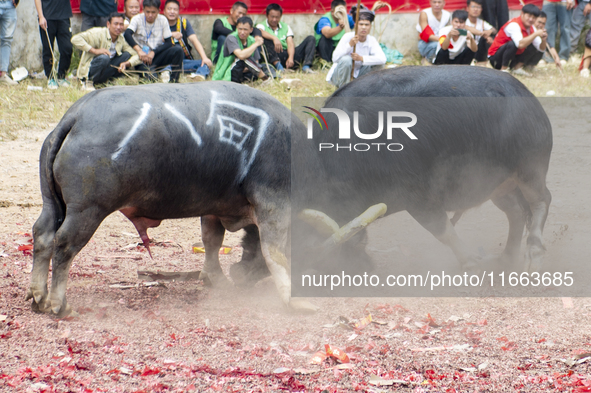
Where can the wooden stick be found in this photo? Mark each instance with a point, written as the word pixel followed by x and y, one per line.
pixel 53 73
pixel 355 46
pixel 264 52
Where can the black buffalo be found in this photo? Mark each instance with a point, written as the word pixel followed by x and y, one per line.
pixel 157 152
pixel 481 135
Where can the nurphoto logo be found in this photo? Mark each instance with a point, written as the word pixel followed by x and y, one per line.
pixel 391 118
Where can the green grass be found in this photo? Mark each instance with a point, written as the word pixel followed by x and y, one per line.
pixel 21 109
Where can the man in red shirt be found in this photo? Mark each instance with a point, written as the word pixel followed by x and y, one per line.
pixel 517 41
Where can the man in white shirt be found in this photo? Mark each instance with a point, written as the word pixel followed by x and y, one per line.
pixel 149 34
pixel 368 54
pixel 431 20
pixel 482 31
pixel 456 44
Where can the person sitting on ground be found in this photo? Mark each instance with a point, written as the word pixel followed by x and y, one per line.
pixel 132 8
pixel 540 24
pixel 517 42
pixel 239 57
pixel 431 20
pixel 106 54
pixel 368 54
pixel 482 31
pixel 281 50
pixel 329 30
pixel 225 26
pixel 183 34
pixel 456 44
pixel 149 34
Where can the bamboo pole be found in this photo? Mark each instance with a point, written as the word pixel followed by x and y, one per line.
pixel 356 23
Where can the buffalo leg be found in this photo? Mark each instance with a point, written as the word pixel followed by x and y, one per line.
pixel 212 234
pixel 70 238
pixel 273 223
pixel 438 223
pixel 43 234
pixel 538 196
pixel 252 267
pixel 511 204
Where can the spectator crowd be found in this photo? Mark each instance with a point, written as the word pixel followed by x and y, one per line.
pixel 162 45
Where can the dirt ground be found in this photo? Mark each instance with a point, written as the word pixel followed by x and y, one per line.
pixel 182 336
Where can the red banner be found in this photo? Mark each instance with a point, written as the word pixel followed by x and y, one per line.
pixel 204 7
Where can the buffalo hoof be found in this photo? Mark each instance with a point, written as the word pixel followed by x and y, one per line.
pixel 246 277
pixel 534 258
pixel 39 297
pixel 302 306
pixel 216 280
pixel 474 265
pixel 57 306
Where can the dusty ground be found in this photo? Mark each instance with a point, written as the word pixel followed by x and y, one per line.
pixel 185 337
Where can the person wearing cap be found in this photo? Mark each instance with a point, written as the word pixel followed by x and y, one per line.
pixel 368 54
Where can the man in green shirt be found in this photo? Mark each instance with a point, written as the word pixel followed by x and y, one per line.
pixel 225 26
pixel 239 57
pixel 329 30
pixel 281 50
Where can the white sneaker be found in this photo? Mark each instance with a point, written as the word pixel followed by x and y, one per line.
pixel 562 62
pixel 5 80
pixel 88 86
pixel 585 73
pixel 521 72
pixel 165 76
pixel 197 77
pixel 542 63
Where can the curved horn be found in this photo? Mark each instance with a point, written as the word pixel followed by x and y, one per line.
pixel 325 225
pixel 357 224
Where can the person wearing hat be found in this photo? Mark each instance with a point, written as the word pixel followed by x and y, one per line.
pixel 367 56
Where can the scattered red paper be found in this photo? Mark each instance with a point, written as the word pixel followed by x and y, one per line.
pixel 149 371
pixel 431 322
pixel 509 346
pixel 318 358
pixel 336 353
pixel 363 323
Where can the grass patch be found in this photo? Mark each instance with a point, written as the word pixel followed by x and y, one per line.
pixel 22 109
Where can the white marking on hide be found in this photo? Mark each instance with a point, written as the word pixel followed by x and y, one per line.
pixel 236 132
pixel 187 122
pixel 233 132
pixel 133 131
